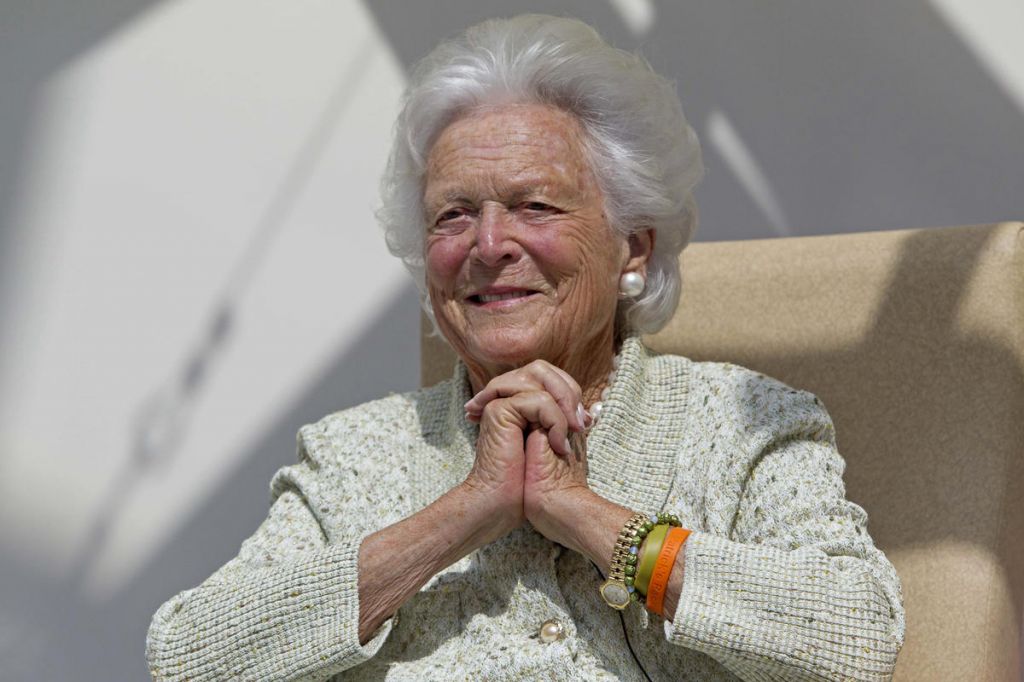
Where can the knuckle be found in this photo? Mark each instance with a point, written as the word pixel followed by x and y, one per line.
pixel 541 367
pixel 523 381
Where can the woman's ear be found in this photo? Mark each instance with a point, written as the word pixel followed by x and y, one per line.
pixel 641 246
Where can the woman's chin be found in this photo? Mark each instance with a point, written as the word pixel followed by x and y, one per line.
pixel 508 348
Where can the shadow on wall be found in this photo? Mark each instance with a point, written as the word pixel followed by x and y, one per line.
pixel 34 46
pixel 862 116
pixel 77 640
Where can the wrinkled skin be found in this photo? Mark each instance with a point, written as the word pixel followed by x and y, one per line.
pixel 512 207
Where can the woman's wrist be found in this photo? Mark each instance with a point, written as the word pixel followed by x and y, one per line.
pixel 590 524
pixel 587 523
pixel 398 560
pixel 483 516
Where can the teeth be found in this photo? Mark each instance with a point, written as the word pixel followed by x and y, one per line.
pixel 488 298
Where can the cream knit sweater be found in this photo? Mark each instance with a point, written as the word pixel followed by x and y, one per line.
pixel 781 582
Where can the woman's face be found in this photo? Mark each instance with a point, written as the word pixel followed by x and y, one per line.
pixel 520 260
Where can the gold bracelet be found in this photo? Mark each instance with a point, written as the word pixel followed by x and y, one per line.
pixel 614 590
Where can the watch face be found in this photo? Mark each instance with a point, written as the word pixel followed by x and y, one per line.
pixel 615 594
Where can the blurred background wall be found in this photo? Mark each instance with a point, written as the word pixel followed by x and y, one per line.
pixel 190 268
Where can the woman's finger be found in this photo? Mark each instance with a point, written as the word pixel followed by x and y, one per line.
pixel 539 408
pixel 577 395
pixel 538 375
pixel 503 386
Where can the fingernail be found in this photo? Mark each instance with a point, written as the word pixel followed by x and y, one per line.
pixel 568 448
pixel 581 415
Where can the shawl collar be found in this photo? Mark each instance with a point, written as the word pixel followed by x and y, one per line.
pixel 633 459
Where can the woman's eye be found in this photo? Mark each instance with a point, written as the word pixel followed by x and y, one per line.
pixel 537 206
pixel 452 214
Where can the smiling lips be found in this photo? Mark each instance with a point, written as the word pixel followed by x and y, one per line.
pixel 498 296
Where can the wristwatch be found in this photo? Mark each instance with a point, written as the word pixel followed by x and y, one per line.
pixel 614 590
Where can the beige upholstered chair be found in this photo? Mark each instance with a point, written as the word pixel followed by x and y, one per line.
pixel 914 340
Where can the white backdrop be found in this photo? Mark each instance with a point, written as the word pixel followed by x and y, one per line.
pixel 190 268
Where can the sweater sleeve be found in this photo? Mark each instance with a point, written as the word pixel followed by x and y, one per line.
pixel 285 608
pixel 796 589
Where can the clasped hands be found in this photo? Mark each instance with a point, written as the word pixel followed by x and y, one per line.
pixel 525 467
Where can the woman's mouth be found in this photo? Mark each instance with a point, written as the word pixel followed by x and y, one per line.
pixel 499 298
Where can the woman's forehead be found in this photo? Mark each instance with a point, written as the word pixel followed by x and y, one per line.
pixel 503 130
pixel 515 149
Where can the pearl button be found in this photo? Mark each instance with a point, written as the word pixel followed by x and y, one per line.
pixel 551 631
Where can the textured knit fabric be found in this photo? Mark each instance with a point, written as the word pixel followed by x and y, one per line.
pixel 781 579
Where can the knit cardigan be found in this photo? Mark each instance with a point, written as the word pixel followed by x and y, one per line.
pixel 781 579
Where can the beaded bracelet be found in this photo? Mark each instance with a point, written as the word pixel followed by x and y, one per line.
pixel 660 519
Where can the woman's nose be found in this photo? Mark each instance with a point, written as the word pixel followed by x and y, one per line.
pixel 496 242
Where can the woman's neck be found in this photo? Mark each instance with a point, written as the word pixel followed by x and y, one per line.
pixel 593 378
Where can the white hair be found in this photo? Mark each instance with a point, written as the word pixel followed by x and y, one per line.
pixel 644 154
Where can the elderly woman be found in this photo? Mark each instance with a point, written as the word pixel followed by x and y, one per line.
pixel 569 505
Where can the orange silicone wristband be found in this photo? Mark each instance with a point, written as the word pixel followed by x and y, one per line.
pixel 663 568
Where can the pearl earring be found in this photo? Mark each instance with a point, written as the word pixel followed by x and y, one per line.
pixel 631 284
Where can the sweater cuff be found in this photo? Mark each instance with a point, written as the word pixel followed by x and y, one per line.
pixel 325 602
pixel 706 612
pixel 757 609
pixel 288 620
pixel 344 575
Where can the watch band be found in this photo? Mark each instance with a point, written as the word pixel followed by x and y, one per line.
pixel 614 590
